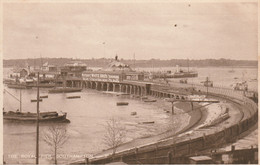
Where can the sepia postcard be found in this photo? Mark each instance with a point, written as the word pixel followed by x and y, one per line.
pixel 129 82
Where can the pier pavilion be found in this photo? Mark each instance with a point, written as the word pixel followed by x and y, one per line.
pixel 115 77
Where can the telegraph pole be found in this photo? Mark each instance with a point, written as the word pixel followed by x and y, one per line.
pixel 37 123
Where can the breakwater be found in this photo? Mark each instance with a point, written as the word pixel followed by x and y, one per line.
pixel 172 150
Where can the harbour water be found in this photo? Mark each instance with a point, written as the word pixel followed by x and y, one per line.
pixel 222 77
pixel 89 114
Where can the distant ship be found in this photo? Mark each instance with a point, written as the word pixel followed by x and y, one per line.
pixel 185 74
pixel 181 73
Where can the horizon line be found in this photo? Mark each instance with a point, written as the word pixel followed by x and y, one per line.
pixel 129 59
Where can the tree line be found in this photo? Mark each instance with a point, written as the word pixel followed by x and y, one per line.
pixel 101 62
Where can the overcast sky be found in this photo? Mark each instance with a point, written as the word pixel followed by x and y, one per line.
pixel 150 30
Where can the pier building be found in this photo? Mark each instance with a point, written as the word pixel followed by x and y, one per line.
pixel 73 69
pixel 49 68
pixel 19 73
pixel 116 77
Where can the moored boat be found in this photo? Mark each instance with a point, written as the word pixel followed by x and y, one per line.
pixel 133 113
pixel 17 86
pixel 41 85
pixel 148 100
pixel 73 97
pixel 180 73
pixel 184 74
pixel 45 96
pixel 32 117
pixel 121 103
pixel 147 122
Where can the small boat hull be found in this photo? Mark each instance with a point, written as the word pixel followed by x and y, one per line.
pixel 73 97
pixel 150 100
pixel 44 96
pixel 17 86
pixel 147 122
pixel 41 85
pixel 185 75
pixel 121 103
pixel 32 117
pixel 133 113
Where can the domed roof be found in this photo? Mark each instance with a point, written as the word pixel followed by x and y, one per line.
pixel 117 66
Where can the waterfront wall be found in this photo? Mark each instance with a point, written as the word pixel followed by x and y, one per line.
pixel 175 151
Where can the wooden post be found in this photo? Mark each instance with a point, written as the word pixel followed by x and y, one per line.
pixel 136 154
pixel 155 154
pixel 233 148
pixel 189 146
pixel 204 140
pixel 86 160
pixel 172 108
pixel 170 157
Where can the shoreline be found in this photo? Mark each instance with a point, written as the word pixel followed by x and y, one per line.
pixel 195 118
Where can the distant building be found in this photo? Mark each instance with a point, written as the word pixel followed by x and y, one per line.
pixel 48 75
pixel 19 73
pixel 49 68
pixel 73 68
